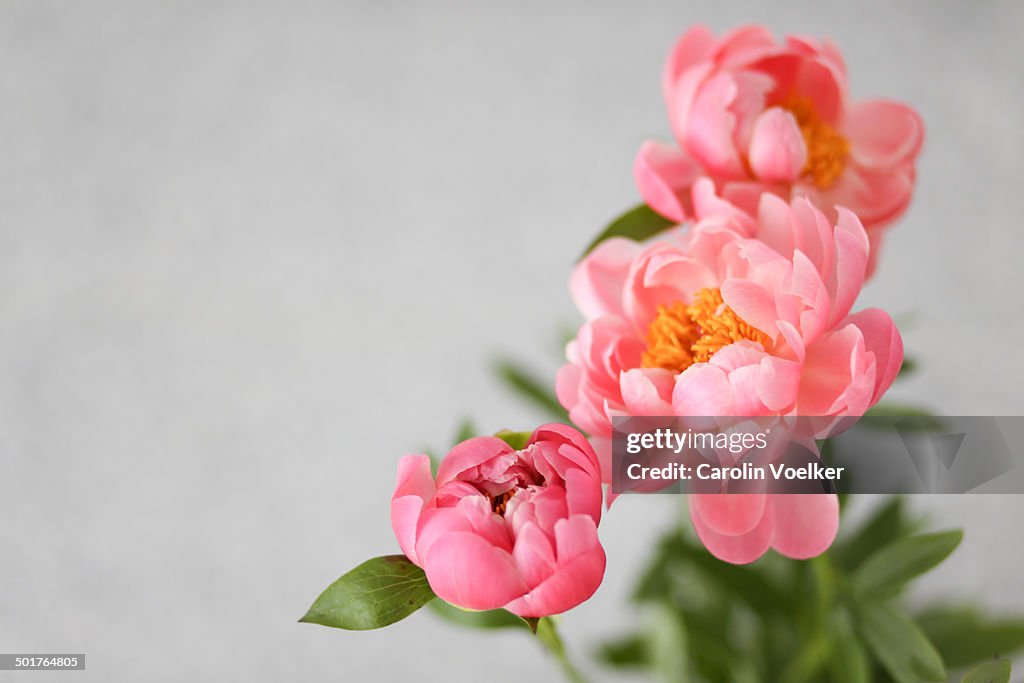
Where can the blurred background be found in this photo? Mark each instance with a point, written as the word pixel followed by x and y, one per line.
pixel 250 255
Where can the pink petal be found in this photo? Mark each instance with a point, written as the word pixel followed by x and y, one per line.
pixel 414 478
pixel 707 203
pixel 882 133
pixel 661 275
pixel 469 454
pixel 730 514
pixel 813 235
pixel 564 434
pixel 805 524
pixel 738 355
pixel 775 224
pixel 534 554
pixel 740 549
pixel 741 44
pixel 777 150
pixel 778 383
pixel 581 564
pixel 663 174
pixel 876 197
pixel 647 391
pixel 484 522
pixel 847 278
pixel 467 571
pixel 709 131
pixel 567 385
pixel 583 493
pixel 703 390
pixel 596 283
pixel 753 303
pixel 405 515
pixel 692 46
pixel 833 379
pixel 415 487
pixel 807 285
pixel 883 339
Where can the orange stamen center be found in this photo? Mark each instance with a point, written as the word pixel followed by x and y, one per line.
pixel 826 148
pixel 683 335
pixel 499 502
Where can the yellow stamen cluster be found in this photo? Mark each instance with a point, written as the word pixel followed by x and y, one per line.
pixel 683 335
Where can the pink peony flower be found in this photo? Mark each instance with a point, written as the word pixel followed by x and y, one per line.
pixel 757 116
pixel 713 322
pixel 505 528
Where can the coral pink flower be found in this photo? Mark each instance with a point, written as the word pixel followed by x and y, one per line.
pixel 713 322
pixel 505 528
pixel 759 116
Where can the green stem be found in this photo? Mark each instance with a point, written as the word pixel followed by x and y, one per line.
pixel 547 633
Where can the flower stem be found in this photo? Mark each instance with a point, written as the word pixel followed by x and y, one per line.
pixel 547 633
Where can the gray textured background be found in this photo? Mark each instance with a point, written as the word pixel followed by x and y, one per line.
pixel 252 255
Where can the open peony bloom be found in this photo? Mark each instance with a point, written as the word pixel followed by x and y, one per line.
pixel 755 115
pixel 713 322
pixel 505 528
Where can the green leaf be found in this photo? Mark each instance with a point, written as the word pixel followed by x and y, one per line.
pixel 898 644
pixel 668 646
pixel 909 367
pixel 516 440
pixel 626 652
pixel 377 593
pixel 747 583
pixel 912 418
pixel 885 572
pixel 466 431
pixel 997 671
pixel 530 388
pixel 490 619
pixel 886 523
pixel 547 633
pixel 964 636
pixel 848 662
pixel 637 224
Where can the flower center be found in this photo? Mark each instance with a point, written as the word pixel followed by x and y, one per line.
pixel 683 335
pixel 499 502
pixel 826 148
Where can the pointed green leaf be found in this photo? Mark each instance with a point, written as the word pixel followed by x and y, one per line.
pixel 489 619
pixel 639 223
pixel 377 593
pixel 516 440
pixel 912 418
pixel 848 662
pixel 466 431
pixel 997 671
pixel 885 572
pixel 899 645
pixel 964 636
pixel 668 646
pixel 626 652
pixel 909 367
pixel 533 390
pixel 886 523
